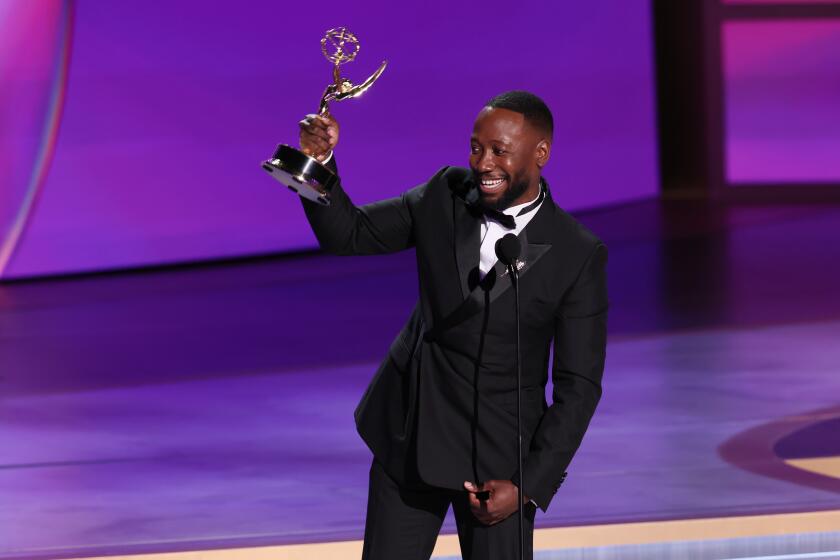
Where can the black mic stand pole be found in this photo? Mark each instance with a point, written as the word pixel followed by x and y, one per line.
pixel 514 275
pixel 508 249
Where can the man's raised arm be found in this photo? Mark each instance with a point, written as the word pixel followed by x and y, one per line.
pixel 342 228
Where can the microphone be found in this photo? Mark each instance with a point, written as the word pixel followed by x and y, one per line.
pixel 508 249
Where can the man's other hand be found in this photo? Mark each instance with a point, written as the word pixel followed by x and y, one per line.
pixel 500 500
pixel 318 135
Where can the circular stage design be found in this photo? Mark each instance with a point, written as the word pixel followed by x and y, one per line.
pixel 803 449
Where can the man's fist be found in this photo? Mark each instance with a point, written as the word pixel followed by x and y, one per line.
pixel 318 135
pixel 500 500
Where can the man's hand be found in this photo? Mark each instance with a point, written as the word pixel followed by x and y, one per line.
pixel 500 500
pixel 318 135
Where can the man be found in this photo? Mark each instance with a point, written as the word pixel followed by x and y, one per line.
pixel 440 413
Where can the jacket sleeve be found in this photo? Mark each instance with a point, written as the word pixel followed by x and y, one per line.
pixel 579 352
pixel 342 228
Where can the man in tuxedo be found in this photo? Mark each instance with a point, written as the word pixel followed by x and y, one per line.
pixel 440 412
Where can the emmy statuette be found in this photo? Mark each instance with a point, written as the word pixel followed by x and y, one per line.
pixel 303 174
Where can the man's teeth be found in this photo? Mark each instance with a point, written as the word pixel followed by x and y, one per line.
pixel 491 183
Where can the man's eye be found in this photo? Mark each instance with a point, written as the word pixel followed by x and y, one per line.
pixel 474 149
pixel 498 151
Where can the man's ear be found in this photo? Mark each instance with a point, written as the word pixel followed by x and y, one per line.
pixel 543 152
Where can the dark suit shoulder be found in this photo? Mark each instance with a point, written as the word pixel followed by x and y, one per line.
pixel 455 174
pixel 456 178
pixel 573 231
pixel 436 182
pixel 450 175
pixel 446 180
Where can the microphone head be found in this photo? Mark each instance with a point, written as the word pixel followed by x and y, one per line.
pixel 508 249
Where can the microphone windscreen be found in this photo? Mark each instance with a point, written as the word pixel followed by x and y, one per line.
pixel 508 249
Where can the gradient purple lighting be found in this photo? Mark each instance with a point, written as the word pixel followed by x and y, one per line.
pixel 782 93
pixel 171 108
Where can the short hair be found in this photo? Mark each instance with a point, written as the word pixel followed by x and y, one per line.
pixel 536 112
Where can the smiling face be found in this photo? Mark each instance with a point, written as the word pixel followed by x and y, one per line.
pixel 506 156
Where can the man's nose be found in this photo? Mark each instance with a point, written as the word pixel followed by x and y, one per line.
pixel 486 162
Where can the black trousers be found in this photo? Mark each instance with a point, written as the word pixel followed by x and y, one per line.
pixel 403 523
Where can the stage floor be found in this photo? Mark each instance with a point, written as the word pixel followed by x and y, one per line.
pixel 211 407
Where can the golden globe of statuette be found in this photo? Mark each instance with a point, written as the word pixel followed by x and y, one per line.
pixel 340 45
pixel 303 174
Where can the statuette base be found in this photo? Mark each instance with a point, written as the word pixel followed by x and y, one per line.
pixel 303 174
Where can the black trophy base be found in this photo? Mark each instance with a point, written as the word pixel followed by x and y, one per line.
pixel 303 174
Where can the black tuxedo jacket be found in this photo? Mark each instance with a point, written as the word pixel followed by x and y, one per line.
pixel 448 383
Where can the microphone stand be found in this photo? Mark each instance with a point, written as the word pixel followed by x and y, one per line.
pixel 514 275
pixel 508 249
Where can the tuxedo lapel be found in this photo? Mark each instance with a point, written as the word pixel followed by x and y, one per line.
pixel 531 253
pixel 467 242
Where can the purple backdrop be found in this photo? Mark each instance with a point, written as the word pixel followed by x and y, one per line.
pixel 171 107
pixel 782 101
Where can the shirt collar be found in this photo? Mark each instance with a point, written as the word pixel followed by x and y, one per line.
pixel 515 210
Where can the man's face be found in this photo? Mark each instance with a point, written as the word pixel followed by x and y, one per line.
pixel 506 154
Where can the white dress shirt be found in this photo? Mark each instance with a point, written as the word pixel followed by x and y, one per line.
pixel 491 231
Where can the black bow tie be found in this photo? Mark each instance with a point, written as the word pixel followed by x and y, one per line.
pixel 508 221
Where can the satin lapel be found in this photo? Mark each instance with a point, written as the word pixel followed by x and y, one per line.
pixel 467 242
pixel 531 253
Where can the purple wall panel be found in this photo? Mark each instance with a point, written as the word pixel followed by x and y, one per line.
pixel 782 95
pixel 171 107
